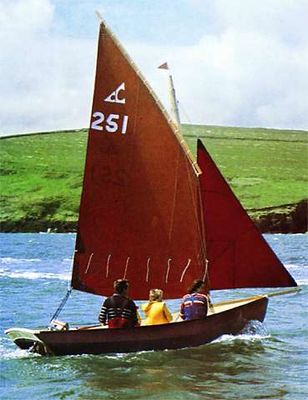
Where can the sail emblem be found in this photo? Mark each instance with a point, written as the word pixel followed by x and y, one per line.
pixel 114 96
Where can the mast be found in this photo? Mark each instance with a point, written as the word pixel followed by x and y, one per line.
pixel 175 117
pixel 174 103
pixel 173 100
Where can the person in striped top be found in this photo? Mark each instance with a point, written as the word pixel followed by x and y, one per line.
pixel 195 304
pixel 118 310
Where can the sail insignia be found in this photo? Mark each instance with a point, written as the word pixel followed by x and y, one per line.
pixel 114 97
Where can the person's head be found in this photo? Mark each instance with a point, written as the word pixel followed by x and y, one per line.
pixel 121 286
pixel 156 295
pixel 197 286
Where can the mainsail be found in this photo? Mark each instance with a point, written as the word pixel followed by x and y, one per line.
pixel 238 254
pixel 141 205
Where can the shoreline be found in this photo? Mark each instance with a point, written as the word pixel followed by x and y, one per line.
pixel 290 218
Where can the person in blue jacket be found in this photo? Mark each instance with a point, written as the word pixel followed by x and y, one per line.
pixel 196 302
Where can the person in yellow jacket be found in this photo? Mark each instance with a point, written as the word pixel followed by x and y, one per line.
pixel 156 311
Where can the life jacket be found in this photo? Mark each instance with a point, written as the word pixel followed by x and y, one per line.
pixel 156 313
pixel 120 322
pixel 195 306
pixel 121 318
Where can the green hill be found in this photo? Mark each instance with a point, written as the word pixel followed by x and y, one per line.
pixel 41 175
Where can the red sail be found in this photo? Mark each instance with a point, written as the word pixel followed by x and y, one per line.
pixel 140 207
pixel 237 252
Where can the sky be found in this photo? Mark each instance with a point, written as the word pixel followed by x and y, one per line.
pixel 234 62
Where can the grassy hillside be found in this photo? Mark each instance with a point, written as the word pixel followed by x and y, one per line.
pixel 41 174
pixel 265 167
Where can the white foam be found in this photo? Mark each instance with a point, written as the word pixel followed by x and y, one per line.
pixel 253 331
pixel 6 354
pixel 11 351
pixel 10 260
pixel 302 282
pixel 295 267
pixel 34 275
pixel 242 337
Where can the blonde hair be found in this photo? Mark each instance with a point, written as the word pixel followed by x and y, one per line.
pixel 156 295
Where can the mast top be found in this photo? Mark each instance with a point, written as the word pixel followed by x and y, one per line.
pixel 99 17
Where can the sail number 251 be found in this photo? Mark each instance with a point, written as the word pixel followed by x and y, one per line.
pixel 112 123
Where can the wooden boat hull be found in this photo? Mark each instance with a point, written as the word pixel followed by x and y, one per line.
pixel 177 335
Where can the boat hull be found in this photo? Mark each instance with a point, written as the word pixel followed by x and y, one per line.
pixel 175 335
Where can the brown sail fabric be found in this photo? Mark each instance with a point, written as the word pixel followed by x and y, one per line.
pixel 238 254
pixel 140 206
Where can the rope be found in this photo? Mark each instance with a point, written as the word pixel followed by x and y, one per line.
pixel 176 179
pixel 107 265
pixel 126 266
pixel 205 269
pixel 148 269
pixel 89 262
pixel 196 200
pixel 203 236
pixel 62 304
pixel 168 269
pixel 185 269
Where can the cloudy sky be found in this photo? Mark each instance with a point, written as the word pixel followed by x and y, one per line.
pixel 234 62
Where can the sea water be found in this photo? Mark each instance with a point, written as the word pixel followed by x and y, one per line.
pixel 267 361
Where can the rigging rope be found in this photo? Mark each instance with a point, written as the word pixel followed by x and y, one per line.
pixel 62 304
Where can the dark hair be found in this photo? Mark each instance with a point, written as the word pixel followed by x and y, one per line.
pixel 195 286
pixel 120 285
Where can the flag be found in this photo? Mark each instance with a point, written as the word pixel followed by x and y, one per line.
pixel 164 66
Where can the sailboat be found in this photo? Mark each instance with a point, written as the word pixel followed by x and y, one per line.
pixel 152 214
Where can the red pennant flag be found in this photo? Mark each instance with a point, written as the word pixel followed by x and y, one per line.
pixel 164 66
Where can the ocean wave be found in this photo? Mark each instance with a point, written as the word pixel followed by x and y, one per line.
pixel 15 353
pixel 277 236
pixel 253 331
pixel 245 337
pixel 9 351
pixel 302 282
pixel 33 275
pixel 295 267
pixel 11 260
pixel 8 354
